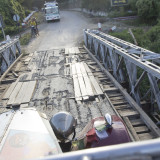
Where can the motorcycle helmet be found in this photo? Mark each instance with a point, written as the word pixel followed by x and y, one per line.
pixel 63 125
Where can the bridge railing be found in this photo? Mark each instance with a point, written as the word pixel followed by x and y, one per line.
pixel 135 150
pixel 9 53
pixel 129 63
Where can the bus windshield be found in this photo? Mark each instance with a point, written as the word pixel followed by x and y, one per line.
pixel 51 10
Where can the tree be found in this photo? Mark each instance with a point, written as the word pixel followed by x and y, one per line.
pixel 96 5
pixel 132 5
pixel 28 4
pixel 147 9
pixel 10 7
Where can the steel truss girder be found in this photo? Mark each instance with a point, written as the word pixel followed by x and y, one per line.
pixel 131 48
pixel 8 53
pixel 109 53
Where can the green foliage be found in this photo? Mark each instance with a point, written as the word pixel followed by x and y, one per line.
pixel 28 3
pixel 38 3
pixel 24 40
pixel 148 9
pixel 10 30
pixel 147 39
pixel 132 5
pixel 10 7
pixel 115 13
pixel 96 5
pixel 141 37
pixel 154 37
pixel 27 12
pixel 123 35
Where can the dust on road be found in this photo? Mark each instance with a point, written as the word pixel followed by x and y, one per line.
pixel 67 32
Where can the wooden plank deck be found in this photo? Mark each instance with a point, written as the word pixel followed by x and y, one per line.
pixel 14 93
pixel 21 94
pixel 84 81
pixel 29 92
pixel 78 95
pixel 81 82
pixel 96 85
pixel 9 91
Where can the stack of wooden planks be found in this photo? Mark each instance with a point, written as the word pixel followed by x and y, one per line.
pixel 19 93
pixel 85 84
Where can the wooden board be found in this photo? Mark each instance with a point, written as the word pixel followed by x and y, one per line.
pixel 131 128
pixel 74 69
pixel 82 86
pixel 82 67
pixel 24 105
pixel 9 91
pixel 71 50
pixel 81 82
pixel 66 50
pixel 21 94
pixel 137 122
pixel 141 129
pixel 15 74
pixel 96 85
pixel 78 69
pixel 128 112
pixel 88 86
pixel 31 54
pixel 29 92
pixel 77 91
pixel 87 68
pixel 86 80
pixel 14 93
pixel 27 59
pixel 146 136
pixel 77 50
pixel 17 69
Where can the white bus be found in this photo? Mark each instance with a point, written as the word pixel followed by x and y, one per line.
pixel 51 11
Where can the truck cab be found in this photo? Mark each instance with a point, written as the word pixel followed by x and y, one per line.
pixel 52 11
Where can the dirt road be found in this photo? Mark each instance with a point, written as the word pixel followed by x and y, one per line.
pixel 67 32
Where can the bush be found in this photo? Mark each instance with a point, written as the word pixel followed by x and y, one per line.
pixel 24 40
pixel 148 10
pixel 115 13
pixel 123 35
pixel 27 12
pixel 149 39
pixel 154 37
pixel 141 37
pixel 10 30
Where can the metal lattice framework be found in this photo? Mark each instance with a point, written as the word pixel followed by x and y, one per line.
pixel 124 60
pixel 9 53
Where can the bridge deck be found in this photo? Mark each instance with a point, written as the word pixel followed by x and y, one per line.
pixel 54 91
